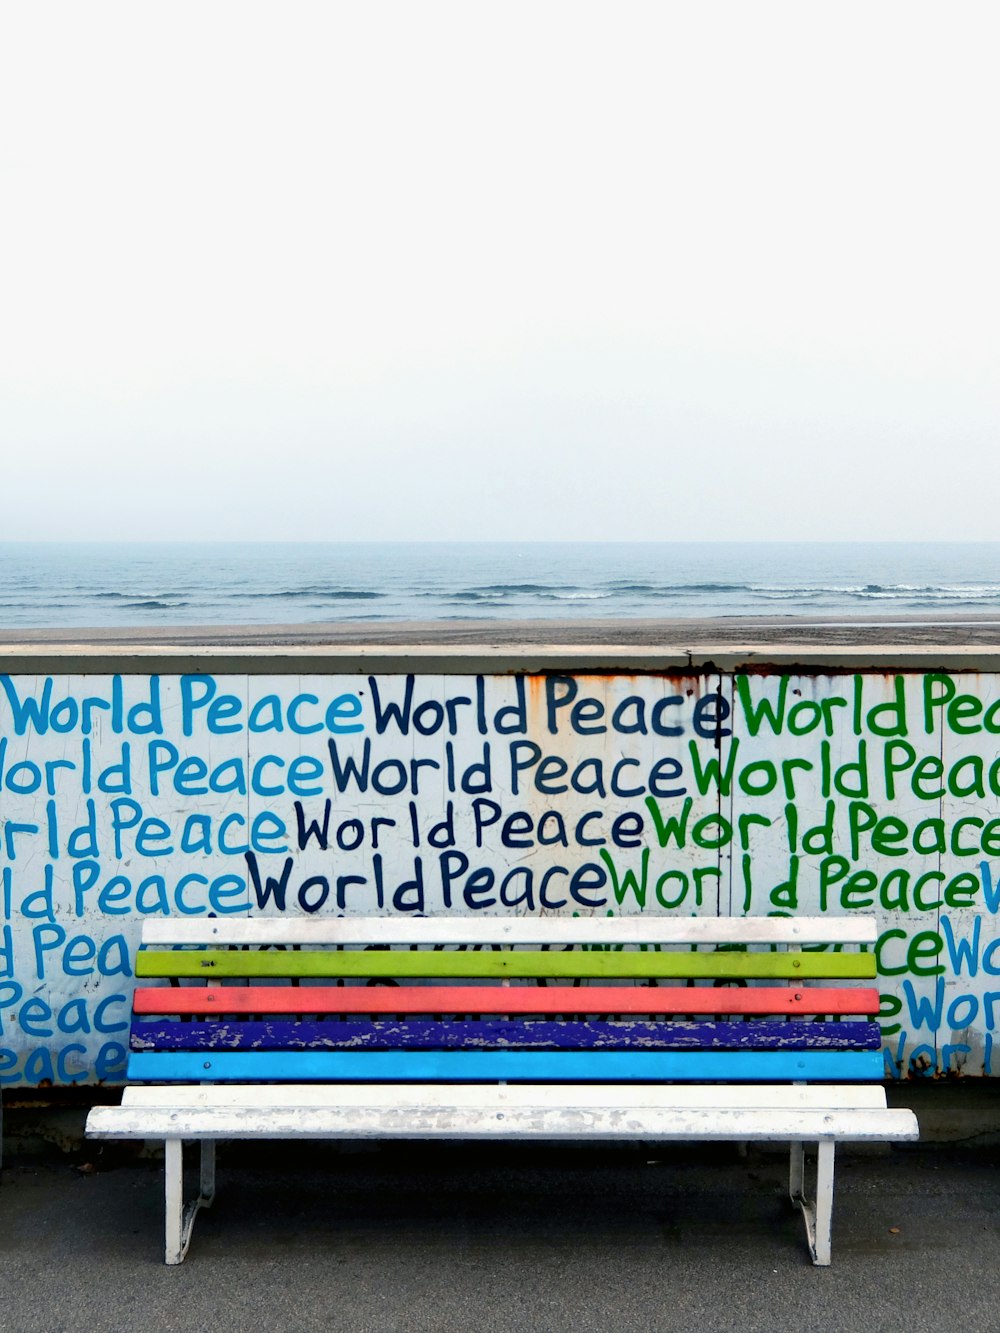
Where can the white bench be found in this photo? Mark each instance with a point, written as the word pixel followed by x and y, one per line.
pixel 726 1038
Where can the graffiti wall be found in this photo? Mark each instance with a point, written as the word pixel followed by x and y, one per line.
pixel 126 797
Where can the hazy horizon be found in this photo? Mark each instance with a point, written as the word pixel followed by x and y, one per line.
pixel 532 271
pixel 473 541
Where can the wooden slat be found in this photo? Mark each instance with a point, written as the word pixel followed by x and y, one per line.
pixel 505 1000
pixel 469 1066
pixel 501 1034
pixel 370 963
pixel 471 1123
pixel 599 930
pixel 260 1096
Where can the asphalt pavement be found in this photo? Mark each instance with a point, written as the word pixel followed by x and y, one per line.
pixel 397 1238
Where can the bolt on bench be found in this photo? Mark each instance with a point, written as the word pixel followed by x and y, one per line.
pixel 481 1029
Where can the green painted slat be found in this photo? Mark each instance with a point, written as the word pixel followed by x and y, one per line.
pixel 425 963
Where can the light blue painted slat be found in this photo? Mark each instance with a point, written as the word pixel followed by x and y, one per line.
pixel 485 1066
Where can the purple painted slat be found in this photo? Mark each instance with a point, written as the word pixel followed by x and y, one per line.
pixel 501 1034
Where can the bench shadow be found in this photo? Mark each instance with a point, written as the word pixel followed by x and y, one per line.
pixel 319 1195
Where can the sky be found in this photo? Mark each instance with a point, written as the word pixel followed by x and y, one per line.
pixel 501 271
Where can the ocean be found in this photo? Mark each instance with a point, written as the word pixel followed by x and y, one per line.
pixel 126 584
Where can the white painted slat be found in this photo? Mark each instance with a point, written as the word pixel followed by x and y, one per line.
pixel 648 1123
pixel 261 1096
pixel 520 930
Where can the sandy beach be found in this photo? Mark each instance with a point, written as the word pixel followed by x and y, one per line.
pixel 688 635
pixel 959 642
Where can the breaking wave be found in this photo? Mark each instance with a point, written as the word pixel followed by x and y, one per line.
pixel 274 584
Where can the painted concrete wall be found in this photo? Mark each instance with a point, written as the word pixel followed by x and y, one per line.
pixel 124 796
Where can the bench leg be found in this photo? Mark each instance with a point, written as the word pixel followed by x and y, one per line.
pixel 207 1173
pixel 180 1216
pixel 797 1172
pixel 818 1216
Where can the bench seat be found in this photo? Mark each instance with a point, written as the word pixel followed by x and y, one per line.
pixel 608 1029
pixel 527 1111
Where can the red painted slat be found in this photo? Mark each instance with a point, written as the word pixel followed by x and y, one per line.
pixel 505 1000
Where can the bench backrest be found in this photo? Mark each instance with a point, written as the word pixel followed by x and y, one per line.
pixel 533 999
